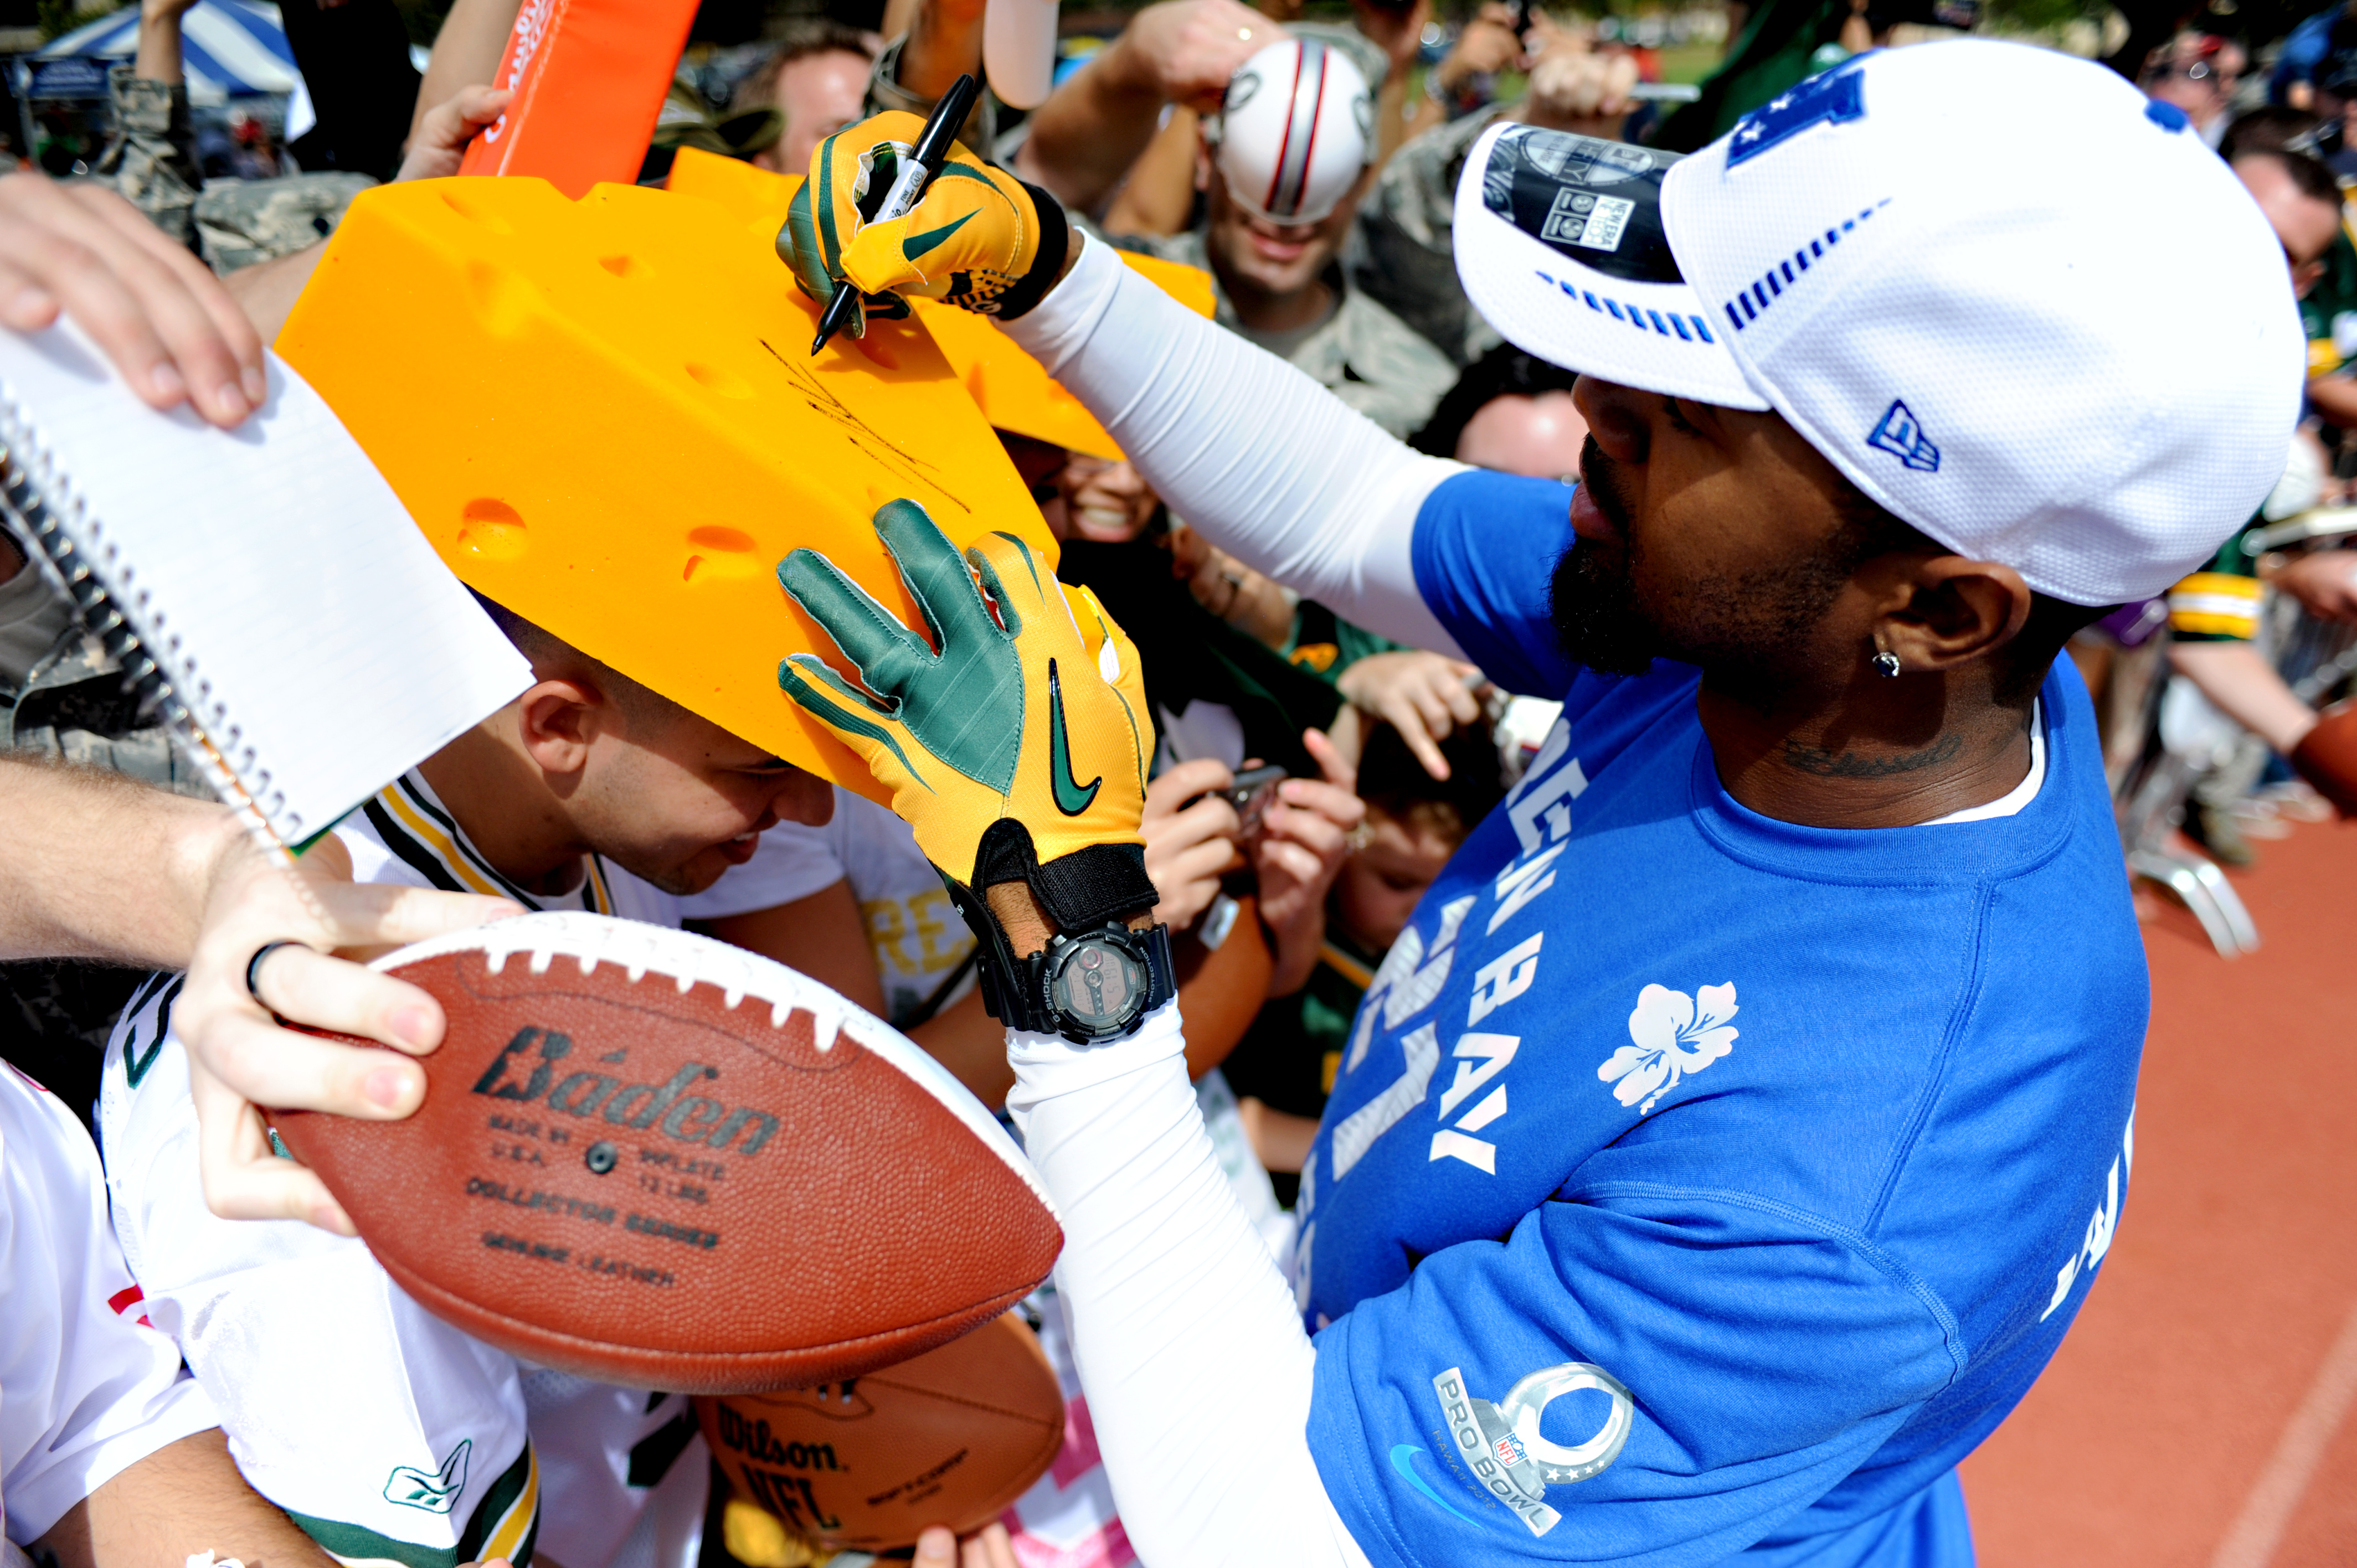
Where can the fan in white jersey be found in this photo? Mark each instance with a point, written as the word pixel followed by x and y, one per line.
pixel 91 1397
pixel 111 1455
pixel 389 1436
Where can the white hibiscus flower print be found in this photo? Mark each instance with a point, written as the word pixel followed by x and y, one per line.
pixel 1675 1033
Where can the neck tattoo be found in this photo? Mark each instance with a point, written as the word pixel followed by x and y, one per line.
pixel 1850 765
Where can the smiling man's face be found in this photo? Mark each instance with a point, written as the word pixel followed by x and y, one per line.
pixel 1257 257
pixel 1709 535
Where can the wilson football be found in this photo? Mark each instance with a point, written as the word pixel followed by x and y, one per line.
pixel 654 1159
pixel 950 1438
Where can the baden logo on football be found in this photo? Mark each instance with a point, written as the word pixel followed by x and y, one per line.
pixel 517 1074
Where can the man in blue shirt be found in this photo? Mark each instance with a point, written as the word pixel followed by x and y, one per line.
pixel 1731 1139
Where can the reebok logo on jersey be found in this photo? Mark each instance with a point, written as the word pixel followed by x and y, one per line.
pixel 435 1491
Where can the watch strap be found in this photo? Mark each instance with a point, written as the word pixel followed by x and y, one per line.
pixel 1034 1013
pixel 1015 990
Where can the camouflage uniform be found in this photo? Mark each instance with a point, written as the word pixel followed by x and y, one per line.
pixel 885 91
pixel 1401 251
pixel 241 222
pixel 73 706
pixel 1363 353
pixel 688 119
pixel 151 161
pixel 151 158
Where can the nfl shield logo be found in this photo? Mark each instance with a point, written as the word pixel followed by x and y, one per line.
pixel 1509 1450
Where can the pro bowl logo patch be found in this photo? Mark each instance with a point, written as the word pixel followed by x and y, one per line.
pixel 1830 98
pixel 1501 1444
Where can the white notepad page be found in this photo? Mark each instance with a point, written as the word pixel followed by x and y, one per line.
pixel 321 645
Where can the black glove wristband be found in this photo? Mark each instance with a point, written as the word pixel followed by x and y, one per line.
pixel 1025 993
pixel 1089 896
pixel 1078 891
pixel 1055 242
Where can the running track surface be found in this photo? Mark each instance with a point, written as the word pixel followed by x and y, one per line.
pixel 2198 1415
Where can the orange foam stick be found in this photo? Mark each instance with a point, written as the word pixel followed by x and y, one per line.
pixel 589 77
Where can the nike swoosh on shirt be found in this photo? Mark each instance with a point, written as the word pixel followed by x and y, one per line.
pixel 1072 797
pixel 1404 1461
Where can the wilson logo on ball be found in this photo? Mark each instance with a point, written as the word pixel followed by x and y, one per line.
pixel 689 1118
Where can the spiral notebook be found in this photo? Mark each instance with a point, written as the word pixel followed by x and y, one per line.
pixel 263 587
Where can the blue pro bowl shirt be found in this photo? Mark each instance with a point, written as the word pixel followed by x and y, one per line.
pixel 1699 1183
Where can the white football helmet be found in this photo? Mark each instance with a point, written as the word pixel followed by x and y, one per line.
pixel 1297 127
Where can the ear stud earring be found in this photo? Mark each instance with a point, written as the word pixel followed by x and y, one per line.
pixel 1886 664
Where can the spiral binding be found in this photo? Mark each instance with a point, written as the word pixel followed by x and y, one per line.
pixel 118 619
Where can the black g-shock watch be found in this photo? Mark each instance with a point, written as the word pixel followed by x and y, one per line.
pixel 1089 986
pixel 1096 979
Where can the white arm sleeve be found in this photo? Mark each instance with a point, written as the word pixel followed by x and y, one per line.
pixel 1267 464
pixel 1197 1369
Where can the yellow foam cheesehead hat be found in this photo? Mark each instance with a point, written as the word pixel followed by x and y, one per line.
pixel 605 416
pixel 1013 389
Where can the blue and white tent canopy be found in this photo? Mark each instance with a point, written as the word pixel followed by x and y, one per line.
pixel 231 49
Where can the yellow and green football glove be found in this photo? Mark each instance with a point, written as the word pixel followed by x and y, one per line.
pixel 1016 742
pixel 977 238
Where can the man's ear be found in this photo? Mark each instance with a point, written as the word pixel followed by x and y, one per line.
pixel 557 720
pixel 1949 610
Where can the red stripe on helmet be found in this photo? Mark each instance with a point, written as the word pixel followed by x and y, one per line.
pixel 1276 176
pixel 1309 152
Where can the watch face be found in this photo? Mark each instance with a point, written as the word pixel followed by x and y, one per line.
pixel 1097 984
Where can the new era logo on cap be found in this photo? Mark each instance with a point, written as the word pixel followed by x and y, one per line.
pixel 1901 435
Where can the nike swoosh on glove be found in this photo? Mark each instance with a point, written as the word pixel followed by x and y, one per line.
pixel 1027 705
pixel 977 238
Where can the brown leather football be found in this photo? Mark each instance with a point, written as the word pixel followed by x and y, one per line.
pixel 2326 757
pixel 657 1160
pixel 950 1438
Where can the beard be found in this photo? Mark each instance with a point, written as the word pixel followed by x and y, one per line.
pixel 1748 630
pixel 1593 598
pixel 1593 602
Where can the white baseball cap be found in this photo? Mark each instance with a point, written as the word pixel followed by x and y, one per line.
pixel 2018 304
pixel 1298 125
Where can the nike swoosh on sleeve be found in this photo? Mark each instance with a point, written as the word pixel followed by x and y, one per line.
pixel 1404 1461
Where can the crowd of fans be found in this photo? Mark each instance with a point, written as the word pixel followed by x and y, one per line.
pixel 1285 897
